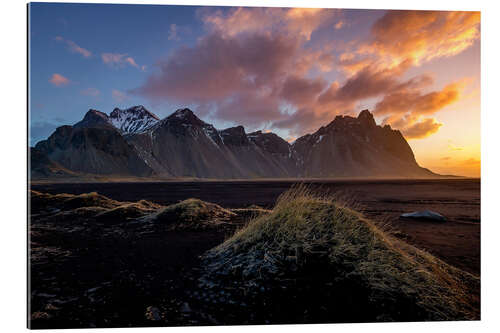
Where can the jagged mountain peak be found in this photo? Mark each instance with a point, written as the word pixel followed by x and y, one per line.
pixel 134 110
pixel 184 116
pixel 93 114
pixel 184 113
pixel 270 142
pixel 133 120
pixel 366 118
pixel 94 118
pixel 234 136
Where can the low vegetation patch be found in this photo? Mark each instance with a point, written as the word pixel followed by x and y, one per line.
pixel 45 202
pixel 128 211
pixel 191 214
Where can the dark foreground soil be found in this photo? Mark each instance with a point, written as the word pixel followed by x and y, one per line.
pixel 108 275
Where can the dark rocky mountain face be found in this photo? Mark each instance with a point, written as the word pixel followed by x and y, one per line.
pixel 183 145
pixel 356 147
pixel 135 142
pixel 98 150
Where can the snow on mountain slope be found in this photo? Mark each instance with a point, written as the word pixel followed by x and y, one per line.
pixel 133 120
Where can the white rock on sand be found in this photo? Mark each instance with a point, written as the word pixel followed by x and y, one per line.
pixel 425 214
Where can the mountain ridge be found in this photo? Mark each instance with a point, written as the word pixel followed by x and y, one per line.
pixel 136 142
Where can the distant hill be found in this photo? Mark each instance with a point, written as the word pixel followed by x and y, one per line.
pixel 135 142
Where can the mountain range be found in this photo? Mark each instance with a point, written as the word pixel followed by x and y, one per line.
pixel 135 142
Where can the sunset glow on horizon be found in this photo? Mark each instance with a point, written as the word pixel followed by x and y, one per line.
pixel 285 70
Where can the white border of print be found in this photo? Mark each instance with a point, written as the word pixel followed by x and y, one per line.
pixel 13 165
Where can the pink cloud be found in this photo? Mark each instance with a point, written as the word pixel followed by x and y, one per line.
pixel 173 32
pixel 58 80
pixel 217 67
pixel 74 48
pixel 119 60
pixel 118 95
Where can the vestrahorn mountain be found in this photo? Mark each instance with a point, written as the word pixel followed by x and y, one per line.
pixel 135 142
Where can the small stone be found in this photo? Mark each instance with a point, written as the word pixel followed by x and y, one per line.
pixel 185 308
pixel 153 313
pixel 40 315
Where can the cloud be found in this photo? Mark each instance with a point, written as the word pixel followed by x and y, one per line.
pixel 90 92
pixel 119 96
pixel 417 103
pixel 173 32
pixel 58 80
pixel 119 60
pixel 292 21
pixel 339 25
pixel 251 108
pixel 472 162
pixel 74 48
pixel 217 67
pixel 301 91
pixel 267 66
pixel 421 129
pixel 422 35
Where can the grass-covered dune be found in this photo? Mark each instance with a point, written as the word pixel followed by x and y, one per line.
pixel 190 214
pixel 313 259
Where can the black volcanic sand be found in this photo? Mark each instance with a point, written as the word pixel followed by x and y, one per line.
pixel 114 275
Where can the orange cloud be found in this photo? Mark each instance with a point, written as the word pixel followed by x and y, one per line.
pixel 58 80
pixel 404 101
pixel 472 162
pixel 406 107
pixel 421 129
pixel 422 35
pixel 294 21
pixel 339 25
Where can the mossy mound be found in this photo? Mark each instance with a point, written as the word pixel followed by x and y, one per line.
pixel 78 214
pixel 41 202
pixel 128 211
pixel 92 199
pixel 45 202
pixel 250 213
pixel 315 260
pixel 191 214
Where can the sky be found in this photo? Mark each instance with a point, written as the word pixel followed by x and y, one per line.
pixel 286 70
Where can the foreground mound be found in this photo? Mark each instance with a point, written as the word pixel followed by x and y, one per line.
pixel 191 214
pixel 314 260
